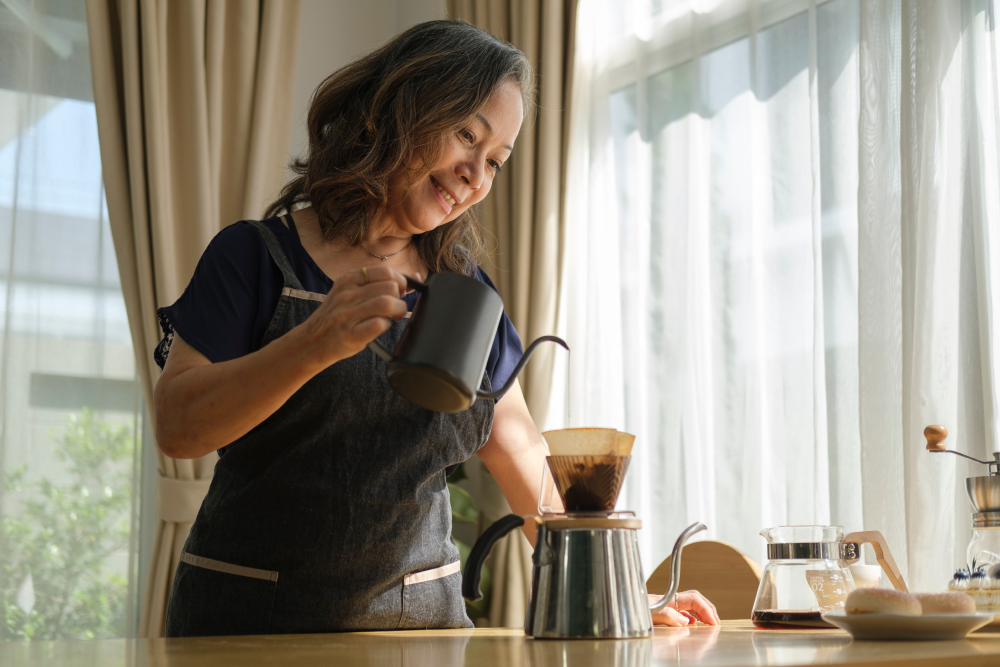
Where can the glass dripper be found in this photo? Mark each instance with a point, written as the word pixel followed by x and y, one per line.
pixel 805 576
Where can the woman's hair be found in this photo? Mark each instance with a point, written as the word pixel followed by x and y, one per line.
pixel 367 119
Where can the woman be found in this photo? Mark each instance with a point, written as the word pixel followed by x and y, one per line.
pixel 328 509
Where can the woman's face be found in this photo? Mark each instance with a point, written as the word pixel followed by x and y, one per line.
pixel 472 157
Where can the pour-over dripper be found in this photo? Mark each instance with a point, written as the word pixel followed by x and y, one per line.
pixel 588 466
pixel 589 483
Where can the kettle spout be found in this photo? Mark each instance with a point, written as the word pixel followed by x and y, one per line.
pixel 520 366
pixel 675 566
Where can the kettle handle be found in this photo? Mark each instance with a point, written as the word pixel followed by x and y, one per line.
pixel 520 365
pixel 675 566
pixel 416 285
pixel 480 550
pixel 380 350
pixel 882 554
pixel 376 346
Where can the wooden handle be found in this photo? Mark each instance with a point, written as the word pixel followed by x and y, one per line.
pixel 936 435
pixel 882 553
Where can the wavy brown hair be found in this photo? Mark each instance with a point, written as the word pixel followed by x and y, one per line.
pixel 367 120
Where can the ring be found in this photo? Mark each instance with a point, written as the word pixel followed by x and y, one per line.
pixel 364 272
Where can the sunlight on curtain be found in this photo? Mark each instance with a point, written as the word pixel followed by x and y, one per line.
pixel 712 276
pixel 68 396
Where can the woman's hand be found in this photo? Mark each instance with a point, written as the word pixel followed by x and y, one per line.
pixel 687 607
pixel 201 406
pixel 359 308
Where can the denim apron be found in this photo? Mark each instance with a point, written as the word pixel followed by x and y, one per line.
pixel 333 514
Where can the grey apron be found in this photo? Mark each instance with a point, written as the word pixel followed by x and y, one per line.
pixel 333 514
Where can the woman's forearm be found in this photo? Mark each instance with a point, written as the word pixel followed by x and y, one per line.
pixel 203 407
pixel 515 456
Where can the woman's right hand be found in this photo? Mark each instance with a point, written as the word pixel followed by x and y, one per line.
pixel 357 310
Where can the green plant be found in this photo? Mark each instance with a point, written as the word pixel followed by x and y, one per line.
pixel 64 535
pixel 463 510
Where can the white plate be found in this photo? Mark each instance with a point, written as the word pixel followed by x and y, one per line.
pixel 897 626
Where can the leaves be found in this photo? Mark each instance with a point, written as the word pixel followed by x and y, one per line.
pixel 458 474
pixel 463 509
pixel 64 534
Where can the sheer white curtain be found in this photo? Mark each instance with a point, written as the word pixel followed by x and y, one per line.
pixel 69 402
pixel 781 218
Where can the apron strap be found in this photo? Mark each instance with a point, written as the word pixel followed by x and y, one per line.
pixel 278 255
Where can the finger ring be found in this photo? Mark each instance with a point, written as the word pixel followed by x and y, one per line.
pixel 364 272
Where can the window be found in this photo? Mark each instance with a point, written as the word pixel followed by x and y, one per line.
pixel 780 263
pixel 69 402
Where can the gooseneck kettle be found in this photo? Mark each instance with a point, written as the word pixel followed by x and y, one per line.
pixel 440 359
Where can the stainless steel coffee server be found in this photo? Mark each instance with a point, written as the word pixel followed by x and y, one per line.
pixel 587 580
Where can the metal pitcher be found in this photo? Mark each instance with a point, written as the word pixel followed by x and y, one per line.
pixel 587 579
pixel 441 357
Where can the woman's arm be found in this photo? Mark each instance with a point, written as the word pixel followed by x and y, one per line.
pixel 201 406
pixel 515 456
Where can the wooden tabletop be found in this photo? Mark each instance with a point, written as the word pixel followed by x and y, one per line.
pixel 735 643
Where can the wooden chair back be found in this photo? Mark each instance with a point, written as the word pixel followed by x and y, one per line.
pixel 721 572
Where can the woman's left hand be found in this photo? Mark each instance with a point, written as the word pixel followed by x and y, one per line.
pixel 686 608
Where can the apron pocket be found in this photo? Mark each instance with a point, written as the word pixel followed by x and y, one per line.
pixel 213 598
pixel 433 599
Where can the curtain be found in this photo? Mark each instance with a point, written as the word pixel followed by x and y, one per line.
pixel 194 113
pixel 522 217
pixel 780 232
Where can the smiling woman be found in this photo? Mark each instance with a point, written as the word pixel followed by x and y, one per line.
pixel 443 94
pixel 329 508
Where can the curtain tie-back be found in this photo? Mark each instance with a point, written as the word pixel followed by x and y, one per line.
pixel 178 500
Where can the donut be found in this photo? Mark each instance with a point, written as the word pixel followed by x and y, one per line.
pixel 882 601
pixel 947 603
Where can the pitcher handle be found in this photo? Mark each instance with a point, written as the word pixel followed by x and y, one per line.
pixel 882 554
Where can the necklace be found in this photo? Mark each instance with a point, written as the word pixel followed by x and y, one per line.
pixel 385 257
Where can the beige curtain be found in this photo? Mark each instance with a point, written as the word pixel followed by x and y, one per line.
pixel 523 216
pixel 194 111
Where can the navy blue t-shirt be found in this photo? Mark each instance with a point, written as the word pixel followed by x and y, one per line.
pixel 226 308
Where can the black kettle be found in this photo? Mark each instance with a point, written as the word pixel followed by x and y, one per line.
pixel 442 354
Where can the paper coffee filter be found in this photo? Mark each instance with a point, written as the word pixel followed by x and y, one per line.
pixel 588 442
pixel 625 442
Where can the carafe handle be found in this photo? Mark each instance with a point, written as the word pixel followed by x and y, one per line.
pixel 882 554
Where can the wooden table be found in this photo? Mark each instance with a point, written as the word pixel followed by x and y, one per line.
pixel 735 643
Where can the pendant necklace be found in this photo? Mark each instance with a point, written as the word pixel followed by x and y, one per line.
pixel 385 257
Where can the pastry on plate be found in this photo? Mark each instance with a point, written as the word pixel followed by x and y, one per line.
pixel 946 603
pixel 882 601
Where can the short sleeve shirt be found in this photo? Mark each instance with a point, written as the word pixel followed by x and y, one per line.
pixel 228 305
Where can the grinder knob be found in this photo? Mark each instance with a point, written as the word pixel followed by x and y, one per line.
pixel 936 435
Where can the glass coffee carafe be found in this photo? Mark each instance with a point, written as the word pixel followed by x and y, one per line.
pixel 806 575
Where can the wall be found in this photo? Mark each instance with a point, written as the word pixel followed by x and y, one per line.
pixel 334 32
